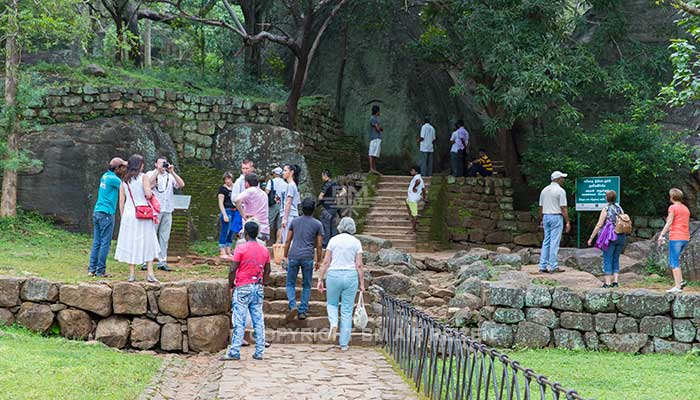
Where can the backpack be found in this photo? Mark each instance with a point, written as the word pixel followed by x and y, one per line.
pixel 271 196
pixel 623 224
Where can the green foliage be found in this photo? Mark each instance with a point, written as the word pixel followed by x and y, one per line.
pixel 685 58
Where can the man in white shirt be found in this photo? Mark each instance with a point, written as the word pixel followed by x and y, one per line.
pixel 416 192
pixel 166 182
pixel 460 143
pixel 236 224
pixel 426 142
pixel 279 186
pixel 554 216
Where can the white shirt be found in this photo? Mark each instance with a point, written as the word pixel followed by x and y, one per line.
pixel 163 189
pixel 344 248
pixel 238 188
pixel 427 133
pixel 456 143
pixel 552 199
pixel 416 182
pixel 280 187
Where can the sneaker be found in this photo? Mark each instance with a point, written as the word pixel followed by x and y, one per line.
pixel 144 267
pixel 164 268
pixel 268 344
pixel 91 273
pixel 543 271
pixel 606 286
pixel 228 357
pixel 332 333
pixel 557 270
pixel 152 279
pixel 302 316
pixel 257 356
pixel 683 284
pixel 615 284
pixel 674 290
pixel 291 314
pixel 131 278
pixel 344 348
pixel 103 275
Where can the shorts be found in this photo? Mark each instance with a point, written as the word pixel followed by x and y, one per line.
pixel 375 147
pixel 413 207
pixel 675 248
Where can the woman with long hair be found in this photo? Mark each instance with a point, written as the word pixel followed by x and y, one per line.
pixel 611 254
pixel 227 209
pixel 677 226
pixel 137 242
pixel 290 173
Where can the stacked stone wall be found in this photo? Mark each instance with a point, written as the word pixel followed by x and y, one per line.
pixel 637 321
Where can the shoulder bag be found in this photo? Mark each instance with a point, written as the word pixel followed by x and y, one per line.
pixel 142 212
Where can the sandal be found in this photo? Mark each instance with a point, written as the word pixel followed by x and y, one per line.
pixel 152 279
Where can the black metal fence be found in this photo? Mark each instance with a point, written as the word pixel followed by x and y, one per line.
pixel 445 363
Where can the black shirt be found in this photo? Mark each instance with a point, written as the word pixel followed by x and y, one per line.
pixel 329 190
pixel 228 203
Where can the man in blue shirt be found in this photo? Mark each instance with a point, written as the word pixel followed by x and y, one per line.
pixel 103 216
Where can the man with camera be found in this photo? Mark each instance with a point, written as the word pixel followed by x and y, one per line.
pixel 166 182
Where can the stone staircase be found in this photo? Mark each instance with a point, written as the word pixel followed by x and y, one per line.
pixel 314 329
pixel 388 217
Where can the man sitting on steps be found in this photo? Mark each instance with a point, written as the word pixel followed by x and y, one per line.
pixel 416 191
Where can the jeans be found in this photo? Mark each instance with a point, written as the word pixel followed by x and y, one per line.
pixel 225 234
pixel 247 299
pixel 341 285
pixel 307 271
pixel 457 163
pixel 426 163
pixel 330 227
pixel 479 169
pixel 103 226
pixel 165 223
pixel 675 248
pixel 553 226
pixel 611 256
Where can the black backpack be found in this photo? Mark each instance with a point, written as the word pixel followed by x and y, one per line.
pixel 271 196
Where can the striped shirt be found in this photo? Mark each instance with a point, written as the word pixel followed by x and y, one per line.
pixel 485 162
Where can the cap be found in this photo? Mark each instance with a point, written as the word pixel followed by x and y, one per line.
pixel 277 171
pixel 558 174
pixel 117 162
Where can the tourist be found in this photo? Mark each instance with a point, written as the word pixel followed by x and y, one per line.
pixel 236 224
pixel 305 234
pixel 375 139
pixel 137 242
pixel 275 188
pixel 481 166
pixel 427 147
pixel 327 199
pixel 342 269
pixel 677 226
pixel 166 180
pixel 553 217
pixel 292 197
pixel 611 254
pixel 460 141
pixel 249 271
pixel 103 217
pixel 252 203
pixel 227 209
pixel 416 192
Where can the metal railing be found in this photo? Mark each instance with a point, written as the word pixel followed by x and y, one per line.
pixel 445 363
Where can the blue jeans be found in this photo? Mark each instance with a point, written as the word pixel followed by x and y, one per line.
pixel 342 287
pixel 330 228
pixel 236 223
pixel 307 271
pixel 103 226
pixel 611 256
pixel 426 163
pixel 675 248
pixel 553 226
pixel 456 162
pixel 225 234
pixel 247 299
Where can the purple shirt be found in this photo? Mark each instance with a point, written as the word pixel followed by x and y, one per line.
pixel 254 203
pixel 463 135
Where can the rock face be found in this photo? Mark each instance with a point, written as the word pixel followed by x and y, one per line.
pixel 9 292
pixel 68 150
pixel 35 317
pixel 209 334
pixel 74 324
pixel 144 333
pixel 113 331
pixel 587 260
pixel 208 297
pixel 88 297
pixel 173 301
pixel 129 298
pixel 37 289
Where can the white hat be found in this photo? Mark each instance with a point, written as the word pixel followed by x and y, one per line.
pixel 558 174
pixel 277 171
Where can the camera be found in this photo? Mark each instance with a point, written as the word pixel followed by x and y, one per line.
pixel 166 165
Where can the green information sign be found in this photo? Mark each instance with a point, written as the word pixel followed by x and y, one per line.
pixel 590 192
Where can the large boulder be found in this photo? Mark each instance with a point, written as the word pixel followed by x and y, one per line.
pixel 496 335
pixel 144 333
pixel 173 301
pixel 434 265
pixel 395 284
pixel 113 331
pixel 74 324
pixel 94 298
pixel 171 337
pixel 37 289
pixel 9 291
pixel 208 297
pixel 35 317
pixel 373 244
pixel 532 335
pixel 588 260
pixel 129 298
pixel 642 302
pixel 208 334
pixel 639 250
pixel 624 343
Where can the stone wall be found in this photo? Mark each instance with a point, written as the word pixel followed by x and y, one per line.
pixel 632 321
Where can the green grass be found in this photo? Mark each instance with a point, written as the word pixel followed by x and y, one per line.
pixel 37 367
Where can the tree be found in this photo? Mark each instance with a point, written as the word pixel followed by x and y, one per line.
pixel 516 59
pixel 310 19
pixel 27 23
pixel 685 57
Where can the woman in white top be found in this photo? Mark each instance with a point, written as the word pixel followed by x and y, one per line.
pixel 137 242
pixel 342 269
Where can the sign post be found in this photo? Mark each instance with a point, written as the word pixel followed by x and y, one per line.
pixel 590 196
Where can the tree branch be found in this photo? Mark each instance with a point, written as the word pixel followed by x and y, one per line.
pixel 682 5
pixel 322 29
pixel 235 19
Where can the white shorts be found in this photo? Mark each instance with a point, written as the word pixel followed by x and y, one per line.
pixel 375 147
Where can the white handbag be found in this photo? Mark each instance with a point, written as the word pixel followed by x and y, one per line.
pixel 360 318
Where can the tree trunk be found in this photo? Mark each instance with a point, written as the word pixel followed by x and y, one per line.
pixel 511 159
pixel 253 17
pixel 341 69
pixel 147 44
pixel 8 203
pixel 298 82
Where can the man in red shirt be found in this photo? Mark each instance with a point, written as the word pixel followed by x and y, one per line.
pixel 249 272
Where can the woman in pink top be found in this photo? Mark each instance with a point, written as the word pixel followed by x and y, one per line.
pixel 678 236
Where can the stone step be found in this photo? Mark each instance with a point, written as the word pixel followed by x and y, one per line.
pixel 366 337
pixel 389 220
pixel 390 229
pixel 400 178
pixel 280 293
pixel 397 236
pixel 280 307
pixel 312 323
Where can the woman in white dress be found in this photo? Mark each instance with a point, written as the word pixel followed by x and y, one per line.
pixel 137 242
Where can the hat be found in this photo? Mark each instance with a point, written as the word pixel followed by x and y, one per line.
pixel 558 174
pixel 117 162
pixel 277 171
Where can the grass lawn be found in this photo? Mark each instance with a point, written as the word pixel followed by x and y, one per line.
pixel 37 367
pixel 31 246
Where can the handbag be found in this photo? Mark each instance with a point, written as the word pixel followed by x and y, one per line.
pixel 360 318
pixel 142 212
pixel 623 224
pixel 606 235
